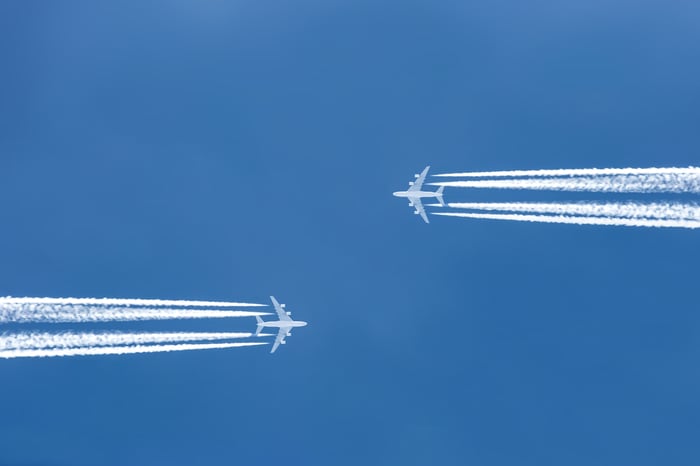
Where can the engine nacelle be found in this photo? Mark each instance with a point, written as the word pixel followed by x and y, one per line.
pixel 283 342
pixel 289 313
pixel 416 175
pixel 416 212
pixel 283 305
pixel 410 183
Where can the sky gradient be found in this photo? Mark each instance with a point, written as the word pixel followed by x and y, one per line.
pixel 230 151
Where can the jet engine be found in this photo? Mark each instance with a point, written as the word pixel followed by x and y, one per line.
pixel 416 175
pixel 283 342
pixel 410 183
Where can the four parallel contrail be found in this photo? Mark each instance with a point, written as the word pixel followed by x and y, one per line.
pixel 42 340
pixel 86 310
pixel 124 302
pixel 656 210
pixel 20 313
pixel 600 180
pixel 88 351
pixel 651 183
pixel 612 221
pixel 576 172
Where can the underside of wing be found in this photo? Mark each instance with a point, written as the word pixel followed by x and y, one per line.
pixel 280 339
pixel 281 313
pixel 420 210
pixel 418 183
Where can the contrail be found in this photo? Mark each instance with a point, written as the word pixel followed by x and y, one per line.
pixel 659 183
pixel 577 172
pixel 88 351
pixel 19 312
pixel 41 340
pixel 579 220
pixel 124 302
pixel 666 211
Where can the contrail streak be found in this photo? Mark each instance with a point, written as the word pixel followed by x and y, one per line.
pixel 666 211
pixel 659 183
pixel 18 312
pixel 40 340
pixel 124 302
pixel 577 172
pixel 579 220
pixel 89 351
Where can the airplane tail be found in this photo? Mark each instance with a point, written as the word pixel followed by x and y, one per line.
pixel 438 194
pixel 260 325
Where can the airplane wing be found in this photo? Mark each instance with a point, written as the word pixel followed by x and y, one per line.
pixel 418 183
pixel 420 210
pixel 281 313
pixel 280 339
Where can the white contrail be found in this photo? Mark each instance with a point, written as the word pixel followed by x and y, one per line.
pixel 667 211
pixel 124 302
pixel 577 172
pixel 666 183
pixel 630 222
pixel 40 340
pixel 88 351
pixel 18 312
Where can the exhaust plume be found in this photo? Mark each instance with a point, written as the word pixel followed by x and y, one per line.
pixel 124 302
pixel 612 221
pixel 19 312
pixel 90 351
pixel 39 340
pixel 662 183
pixel 577 172
pixel 667 210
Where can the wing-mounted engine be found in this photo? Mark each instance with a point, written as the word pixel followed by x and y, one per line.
pixel 283 342
pixel 410 183
pixel 289 313
pixel 416 175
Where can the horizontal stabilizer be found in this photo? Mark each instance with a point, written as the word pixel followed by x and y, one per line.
pixel 438 194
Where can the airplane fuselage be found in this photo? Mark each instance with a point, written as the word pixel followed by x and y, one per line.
pixel 416 194
pixel 283 323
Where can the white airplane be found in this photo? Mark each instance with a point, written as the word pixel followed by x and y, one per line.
pixel 285 324
pixel 414 194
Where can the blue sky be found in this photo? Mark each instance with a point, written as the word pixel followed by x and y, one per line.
pixel 206 150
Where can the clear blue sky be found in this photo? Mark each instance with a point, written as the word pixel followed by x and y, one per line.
pixel 233 150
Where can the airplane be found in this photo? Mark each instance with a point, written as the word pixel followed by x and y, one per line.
pixel 414 194
pixel 285 324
